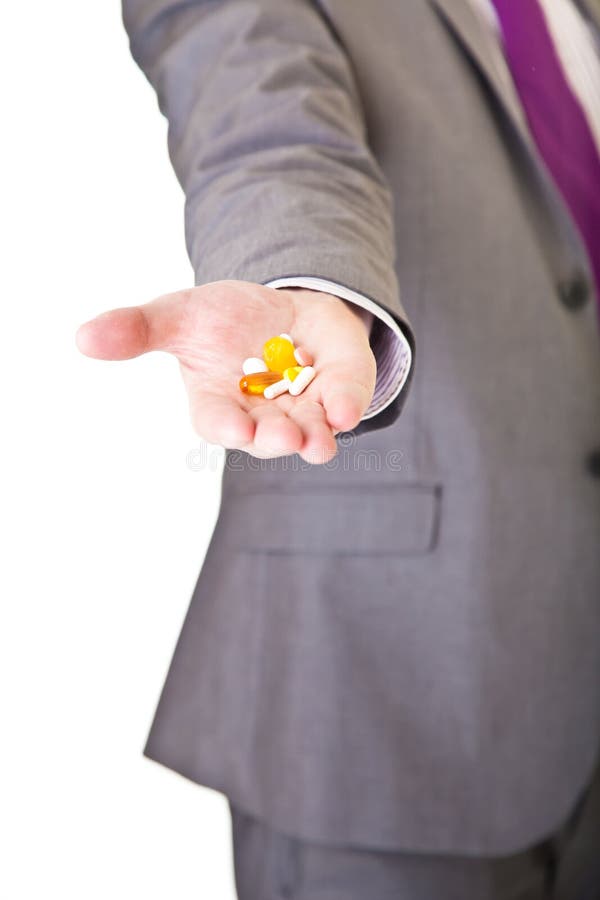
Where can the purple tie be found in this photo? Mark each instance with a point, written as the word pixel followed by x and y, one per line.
pixel 555 117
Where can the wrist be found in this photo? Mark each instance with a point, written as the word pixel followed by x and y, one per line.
pixel 364 315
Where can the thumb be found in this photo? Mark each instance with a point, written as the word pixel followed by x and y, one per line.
pixel 348 390
pixel 132 330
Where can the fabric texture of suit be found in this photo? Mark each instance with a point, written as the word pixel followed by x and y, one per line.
pixel 402 648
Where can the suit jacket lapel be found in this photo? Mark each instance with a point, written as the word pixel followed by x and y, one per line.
pixel 593 9
pixel 590 10
pixel 482 48
pixel 565 249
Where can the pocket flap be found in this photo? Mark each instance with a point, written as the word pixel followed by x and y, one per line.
pixel 389 519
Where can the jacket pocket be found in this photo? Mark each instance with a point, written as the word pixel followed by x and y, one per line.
pixel 387 520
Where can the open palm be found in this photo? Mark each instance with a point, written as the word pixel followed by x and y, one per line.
pixel 211 329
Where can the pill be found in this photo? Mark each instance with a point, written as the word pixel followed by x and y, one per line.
pixel 279 354
pixel 274 390
pixel 286 336
pixel 291 372
pixel 302 380
pixel 303 357
pixel 256 382
pixel 254 364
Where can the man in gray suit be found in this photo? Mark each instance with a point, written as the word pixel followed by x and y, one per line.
pixel 391 662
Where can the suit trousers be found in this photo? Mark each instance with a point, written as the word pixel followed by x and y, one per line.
pixel 270 865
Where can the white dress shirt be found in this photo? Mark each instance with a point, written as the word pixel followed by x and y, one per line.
pixel 579 58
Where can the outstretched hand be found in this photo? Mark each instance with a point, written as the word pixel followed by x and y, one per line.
pixel 211 329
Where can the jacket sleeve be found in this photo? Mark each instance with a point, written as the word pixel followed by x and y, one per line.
pixel 267 139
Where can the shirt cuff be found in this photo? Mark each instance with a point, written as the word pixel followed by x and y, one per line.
pixel 390 347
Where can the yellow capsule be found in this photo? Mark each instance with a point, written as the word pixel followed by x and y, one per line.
pixel 291 372
pixel 278 354
pixel 258 381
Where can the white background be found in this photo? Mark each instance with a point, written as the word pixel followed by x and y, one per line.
pixel 104 523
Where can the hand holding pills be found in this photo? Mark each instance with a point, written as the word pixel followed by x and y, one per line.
pixel 212 330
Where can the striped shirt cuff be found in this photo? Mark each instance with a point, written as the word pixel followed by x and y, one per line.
pixel 390 347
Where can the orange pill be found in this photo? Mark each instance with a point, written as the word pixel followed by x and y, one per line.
pixel 258 381
pixel 278 354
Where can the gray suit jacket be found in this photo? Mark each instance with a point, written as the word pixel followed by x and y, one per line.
pixel 400 649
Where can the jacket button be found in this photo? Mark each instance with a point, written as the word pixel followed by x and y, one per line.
pixel 574 293
pixel 592 463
